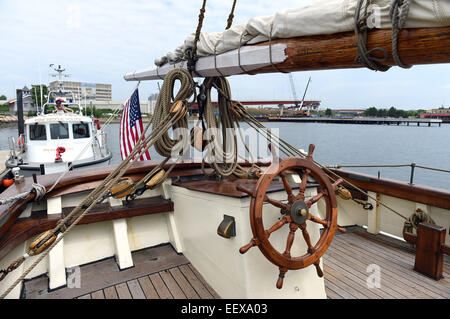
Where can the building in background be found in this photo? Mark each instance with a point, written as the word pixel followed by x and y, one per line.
pixel 116 104
pixel 442 114
pixel 28 103
pixel 85 91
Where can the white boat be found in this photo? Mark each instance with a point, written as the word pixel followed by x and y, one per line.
pixel 60 136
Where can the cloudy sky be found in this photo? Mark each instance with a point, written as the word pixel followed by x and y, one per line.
pixel 101 40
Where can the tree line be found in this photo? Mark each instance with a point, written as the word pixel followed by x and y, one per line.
pixel 392 112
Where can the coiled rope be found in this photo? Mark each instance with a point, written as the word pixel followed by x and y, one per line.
pixel 220 133
pixel 398 13
pixel 415 219
pixel 38 189
pixel 165 145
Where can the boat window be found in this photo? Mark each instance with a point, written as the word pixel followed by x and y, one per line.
pixel 81 130
pixel 38 132
pixel 59 131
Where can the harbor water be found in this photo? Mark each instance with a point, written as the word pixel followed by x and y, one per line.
pixel 338 144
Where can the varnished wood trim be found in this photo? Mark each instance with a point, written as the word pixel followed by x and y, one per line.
pixel 338 51
pixel 416 193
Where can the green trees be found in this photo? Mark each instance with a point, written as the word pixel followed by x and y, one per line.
pixel 392 112
pixel 3 97
pixel 328 112
pixel 36 94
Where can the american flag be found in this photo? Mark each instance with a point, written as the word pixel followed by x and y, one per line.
pixel 131 127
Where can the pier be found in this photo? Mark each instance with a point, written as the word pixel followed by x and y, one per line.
pixel 356 120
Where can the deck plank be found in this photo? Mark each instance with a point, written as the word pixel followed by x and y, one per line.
pixel 147 288
pixel 201 290
pixel 135 289
pixel 360 271
pixel 400 279
pixel 98 294
pixel 160 287
pixel 203 281
pixel 146 262
pixel 88 296
pixel 360 263
pixel 110 293
pixel 331 294
pixel 122 291
pixel 184 284
pixel 172 285
pixel 403 270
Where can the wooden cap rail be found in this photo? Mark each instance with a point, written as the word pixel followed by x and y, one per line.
pixel 416 193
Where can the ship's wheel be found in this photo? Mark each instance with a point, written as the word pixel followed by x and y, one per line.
pixel 296 213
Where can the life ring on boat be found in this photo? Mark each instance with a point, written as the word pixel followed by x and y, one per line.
pixel 296 212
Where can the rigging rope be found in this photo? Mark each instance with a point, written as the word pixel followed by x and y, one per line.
pixel 399 14
pixel 191 55
pixel 220 133
pixel 365 56
pixel 231 16
pixel 165 145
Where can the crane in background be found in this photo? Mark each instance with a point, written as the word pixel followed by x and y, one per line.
pixel 299 104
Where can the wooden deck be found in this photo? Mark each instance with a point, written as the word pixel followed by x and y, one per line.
pixel 346 269
pixel 160 273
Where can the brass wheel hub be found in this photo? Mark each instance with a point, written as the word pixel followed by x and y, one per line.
pixel 299 212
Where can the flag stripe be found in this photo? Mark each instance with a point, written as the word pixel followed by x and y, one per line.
pixel 131 127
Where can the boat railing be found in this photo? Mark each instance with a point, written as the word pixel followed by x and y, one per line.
pixel 100 140
pixel 61 92
pixel 413 167
pixel 12 147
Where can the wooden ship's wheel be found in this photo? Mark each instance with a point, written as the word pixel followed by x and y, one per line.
pixel 296 212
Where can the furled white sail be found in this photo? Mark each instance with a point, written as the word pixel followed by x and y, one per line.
pixel 225 53
pixel 323 17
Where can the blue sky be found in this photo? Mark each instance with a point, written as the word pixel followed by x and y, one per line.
pixel 99 41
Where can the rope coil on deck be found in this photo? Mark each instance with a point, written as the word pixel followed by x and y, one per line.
pixel 415 219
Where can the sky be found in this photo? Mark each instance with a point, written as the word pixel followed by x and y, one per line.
pixel 99 41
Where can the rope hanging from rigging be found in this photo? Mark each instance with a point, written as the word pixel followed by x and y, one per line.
pixel 399 10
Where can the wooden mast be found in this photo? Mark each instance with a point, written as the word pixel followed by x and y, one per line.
pixel 322 52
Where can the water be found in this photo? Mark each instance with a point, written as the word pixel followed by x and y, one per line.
pixel 338 144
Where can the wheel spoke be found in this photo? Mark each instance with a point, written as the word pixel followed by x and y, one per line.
pixel 307 238
pixel 314 200
pixel 317 220
pixel 276 203
pixel 286 219
pixel 302 187
pixel 290 241
pixel 318 269
pixel 287 187
pixel 280 280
